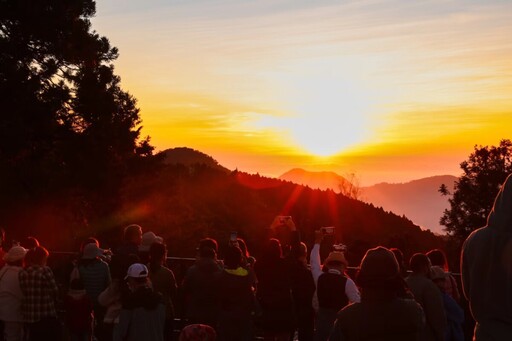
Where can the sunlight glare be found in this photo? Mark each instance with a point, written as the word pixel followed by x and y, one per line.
pixel 329 114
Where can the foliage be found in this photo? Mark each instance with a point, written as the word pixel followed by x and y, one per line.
pixel 67 129
pixel 185 203
pixel 350 186
pixel 483 173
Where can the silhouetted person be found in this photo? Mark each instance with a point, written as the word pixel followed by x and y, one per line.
pixel 143 314
pixel 487 270
pixel 428 296
pixel 11 295
pixel 148 239
pixel 381 315
pixel 334 288
pixel 164 282
pixel 454 313
pixel 274 293
pixel 95 275
pixel 400 259
pixel 132 238
pixel 236 298
pixel 438 258
pixel 39 306
pixel 201 299
pixel 303 288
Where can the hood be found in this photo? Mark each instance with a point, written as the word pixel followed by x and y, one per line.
pixel 500 218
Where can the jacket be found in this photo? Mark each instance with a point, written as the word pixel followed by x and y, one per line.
pixel 487 273
pixel 142 317
pixel 428 295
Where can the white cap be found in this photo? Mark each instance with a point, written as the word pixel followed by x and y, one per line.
pixel 137 270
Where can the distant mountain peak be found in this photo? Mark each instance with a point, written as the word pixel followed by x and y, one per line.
pixel 188 157
pixel 418 199
pixel 320 179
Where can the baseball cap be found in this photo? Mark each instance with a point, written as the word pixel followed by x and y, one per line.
pixel 137 270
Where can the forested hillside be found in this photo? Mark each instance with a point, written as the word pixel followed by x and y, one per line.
pixel 185 203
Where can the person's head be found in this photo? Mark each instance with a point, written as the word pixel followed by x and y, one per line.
pixel 207 253
pixel 232 257
pixel 29 243
pixel 133 234
pixel 420 264
pixel 89 240
pixel 336 260
pixel 300 252
pixel 37 256
pixel 272 250
pixel 438 276
pixel 209 243
pixel 148 239
pixel 137 276
pixel 15 256
pixel 157 253
pixel 438 258
pixel 379 271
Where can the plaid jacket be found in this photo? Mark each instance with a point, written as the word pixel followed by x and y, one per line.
pixel 40 293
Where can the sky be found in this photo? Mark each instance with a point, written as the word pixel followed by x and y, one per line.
pixel 387 90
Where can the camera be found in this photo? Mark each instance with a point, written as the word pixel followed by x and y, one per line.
pixel 329 230
pixel 340 247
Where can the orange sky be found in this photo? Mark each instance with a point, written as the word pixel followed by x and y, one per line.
pixel 389 90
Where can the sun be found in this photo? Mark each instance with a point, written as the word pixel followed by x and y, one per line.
pixel 329 115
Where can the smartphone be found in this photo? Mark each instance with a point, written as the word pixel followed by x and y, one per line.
pixel 340 247
pixel 233 237
pixel 327 230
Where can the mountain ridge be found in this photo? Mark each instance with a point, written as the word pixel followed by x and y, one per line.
pixel 418 199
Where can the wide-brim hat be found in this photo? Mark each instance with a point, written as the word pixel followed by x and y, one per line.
pixel 92 251
pixel 149 238
pixel 336 256
pixel 15 253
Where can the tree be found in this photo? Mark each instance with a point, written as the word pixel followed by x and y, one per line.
pixel 474 192
pixel 65 123
pixel 349 186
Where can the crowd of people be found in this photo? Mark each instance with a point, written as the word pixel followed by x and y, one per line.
pixel 131 294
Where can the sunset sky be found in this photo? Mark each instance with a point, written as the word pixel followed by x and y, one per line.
pixel 389 90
